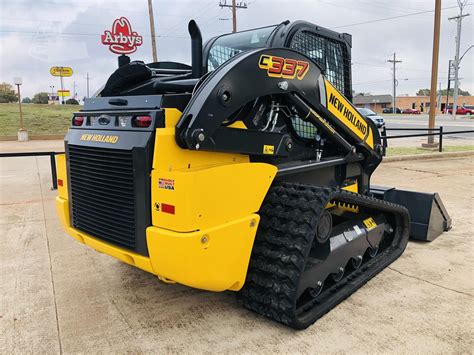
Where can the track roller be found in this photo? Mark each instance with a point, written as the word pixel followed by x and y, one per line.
pixel 295 251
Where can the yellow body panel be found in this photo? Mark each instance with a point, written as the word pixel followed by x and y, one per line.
pixel 121 254
pixel 62 175
pixel 208 240
pixel 207 197
pixel 214 259
pixel 347 114
pixel 205 188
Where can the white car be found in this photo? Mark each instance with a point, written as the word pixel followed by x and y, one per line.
pixel 378 120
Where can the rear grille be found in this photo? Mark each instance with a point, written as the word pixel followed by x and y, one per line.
pixel 102 188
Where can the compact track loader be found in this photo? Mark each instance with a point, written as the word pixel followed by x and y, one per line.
pixel 247 171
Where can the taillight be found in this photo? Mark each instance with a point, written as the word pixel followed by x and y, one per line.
pixel 78 120
pixel 141 121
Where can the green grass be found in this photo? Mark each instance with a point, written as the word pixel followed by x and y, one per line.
pixel 414 150
pixel 38 119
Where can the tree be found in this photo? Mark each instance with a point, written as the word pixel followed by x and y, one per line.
pixel 423 92
pixel 7 93
pixel 26 100
pixel 426 92
pixel 40 98
pixel 72 101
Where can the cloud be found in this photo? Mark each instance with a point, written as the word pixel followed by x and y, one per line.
pixel 35 35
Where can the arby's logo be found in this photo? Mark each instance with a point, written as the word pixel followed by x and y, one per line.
pixel 122 40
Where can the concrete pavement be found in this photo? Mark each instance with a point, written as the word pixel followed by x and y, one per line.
pixel 58 296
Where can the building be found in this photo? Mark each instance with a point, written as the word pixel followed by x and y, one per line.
pixel 422 103
pixel 378 102
pixel 374 102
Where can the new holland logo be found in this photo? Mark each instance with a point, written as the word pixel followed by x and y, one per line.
pixel 101 138
pixel 287 68
pixel 122 40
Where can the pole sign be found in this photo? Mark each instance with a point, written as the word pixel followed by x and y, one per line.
pixel 64 93
pixel 122 40
pixel 60 71
pixel 452 69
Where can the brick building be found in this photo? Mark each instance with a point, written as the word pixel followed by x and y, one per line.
pixel 374 102
pixel 422 103
pixel 378 102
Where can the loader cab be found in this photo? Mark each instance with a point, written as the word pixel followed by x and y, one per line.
pixel 329 49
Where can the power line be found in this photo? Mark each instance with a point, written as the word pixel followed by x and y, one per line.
pixel 392 18
pixel 402 68
pixel 72 33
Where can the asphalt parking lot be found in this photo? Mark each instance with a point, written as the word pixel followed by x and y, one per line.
pixel 58 296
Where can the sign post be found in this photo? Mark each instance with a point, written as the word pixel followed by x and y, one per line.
pixel 61 72
pixel 22 132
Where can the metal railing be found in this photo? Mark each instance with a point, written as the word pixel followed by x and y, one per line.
pixel 52 160
pixel 431 132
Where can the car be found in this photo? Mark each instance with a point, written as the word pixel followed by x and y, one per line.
pixel 378 120
pixel 461 110
pixel 411 111
pixel 390 110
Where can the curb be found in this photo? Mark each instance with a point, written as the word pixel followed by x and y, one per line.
pixel 41 137
pixel 428 156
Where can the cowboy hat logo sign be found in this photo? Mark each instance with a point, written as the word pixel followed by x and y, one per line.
pixel 122 40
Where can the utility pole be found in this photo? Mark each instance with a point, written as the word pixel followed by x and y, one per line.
pixel 394 100
pixel 152 30
pixel 87 81
pixel 234 7
pixel 74 89
pixel 438 101
pixel 458 19
pixel 434 73
pixel 450 78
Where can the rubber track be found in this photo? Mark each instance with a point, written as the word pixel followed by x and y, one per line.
pixel 289 216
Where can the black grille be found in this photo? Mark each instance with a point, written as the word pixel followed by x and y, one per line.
pixel 332 57
pixel 219 55
pixel 102 191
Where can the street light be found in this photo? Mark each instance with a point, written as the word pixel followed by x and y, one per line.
pixel 52 92
pixel 467 50
pixel 22 132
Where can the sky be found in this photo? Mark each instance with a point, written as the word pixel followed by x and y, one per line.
pixel 38 34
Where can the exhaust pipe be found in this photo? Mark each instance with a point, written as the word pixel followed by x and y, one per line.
pixel 196 49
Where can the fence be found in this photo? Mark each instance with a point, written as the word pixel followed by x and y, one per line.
pixel 431 132
pixel 52 156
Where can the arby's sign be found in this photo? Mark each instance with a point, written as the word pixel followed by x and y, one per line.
pixel 121 39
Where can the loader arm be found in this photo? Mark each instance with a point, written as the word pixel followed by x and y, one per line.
pixel 292 79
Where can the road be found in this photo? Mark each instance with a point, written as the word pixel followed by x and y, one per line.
pixel 461 123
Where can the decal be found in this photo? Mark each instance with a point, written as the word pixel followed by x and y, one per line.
pixel 369 223
pixel 287 68
pixel 101 138
pixel 166 184
pixel 340 107
pixel 269 149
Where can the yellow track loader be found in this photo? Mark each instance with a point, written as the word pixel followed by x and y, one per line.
pixel 247 171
